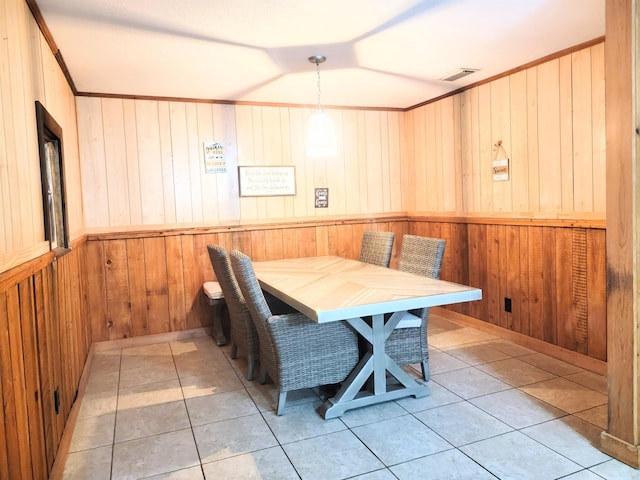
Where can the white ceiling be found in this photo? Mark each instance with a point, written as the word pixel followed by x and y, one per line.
pixel 380 53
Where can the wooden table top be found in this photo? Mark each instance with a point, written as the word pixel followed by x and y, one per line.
pixel 331 288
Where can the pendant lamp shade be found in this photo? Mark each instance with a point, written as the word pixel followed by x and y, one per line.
pixel 321 140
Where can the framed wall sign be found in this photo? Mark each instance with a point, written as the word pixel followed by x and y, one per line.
pixel 322 197
pixel 214 161
pixel 267 181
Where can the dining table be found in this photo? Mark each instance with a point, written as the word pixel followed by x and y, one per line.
pixel 370 298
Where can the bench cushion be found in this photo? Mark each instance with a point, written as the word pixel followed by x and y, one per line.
pixel 212 290
pixel 409 320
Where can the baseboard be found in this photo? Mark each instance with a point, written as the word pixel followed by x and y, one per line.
pixel 619 449
pixel 57 470
pixel 150 339
pixel 574 358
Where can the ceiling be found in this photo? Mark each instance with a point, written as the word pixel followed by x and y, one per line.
pixel 380 53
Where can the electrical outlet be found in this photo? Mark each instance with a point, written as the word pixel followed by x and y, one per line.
pixel 56 400
pixel 507 304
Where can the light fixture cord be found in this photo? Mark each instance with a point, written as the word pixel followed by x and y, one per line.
pixel 318 71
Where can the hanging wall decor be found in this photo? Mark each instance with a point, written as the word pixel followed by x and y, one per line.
pixel 267 181
pixel 214 161
pixel 500 163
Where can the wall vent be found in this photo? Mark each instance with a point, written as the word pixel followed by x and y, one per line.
pixel 462 72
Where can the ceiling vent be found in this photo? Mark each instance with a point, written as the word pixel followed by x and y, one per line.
pixel 463 72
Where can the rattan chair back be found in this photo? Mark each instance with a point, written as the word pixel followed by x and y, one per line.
pixel 377 247
pixel 421 256
pixel 243 332
pixel 295 351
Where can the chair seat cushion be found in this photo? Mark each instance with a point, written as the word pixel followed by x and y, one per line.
pixel 212 290
pixel 409 320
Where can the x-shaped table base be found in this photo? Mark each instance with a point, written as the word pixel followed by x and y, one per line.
pixel 374 363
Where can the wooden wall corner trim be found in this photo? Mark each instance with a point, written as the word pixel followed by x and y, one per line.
pixel 30 261
pixel 11 261
pixel 145 231
pixel 538 220
pixel 46 33
pixel 11 277
pixel 63 449
pixel 621 450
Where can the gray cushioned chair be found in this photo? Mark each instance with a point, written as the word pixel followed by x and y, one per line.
pixel 408 343
pixel 376 248
pixel 243 332
pixel 295 351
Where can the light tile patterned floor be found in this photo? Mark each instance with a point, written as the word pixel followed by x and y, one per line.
pixel 183 410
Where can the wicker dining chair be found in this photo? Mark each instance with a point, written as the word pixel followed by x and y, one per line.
pixel 243 332
pixel 408 342
pixel 376 248
pixel 295 351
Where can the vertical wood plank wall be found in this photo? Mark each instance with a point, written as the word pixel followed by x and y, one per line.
pixel 142 162
pixel 550 120
pixel 44 343
pixel 143 284
pixel 44 335
pixel 29 72
pixel 139 163
pixel 553 273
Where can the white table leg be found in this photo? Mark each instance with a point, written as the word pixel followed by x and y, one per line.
pixel 376 362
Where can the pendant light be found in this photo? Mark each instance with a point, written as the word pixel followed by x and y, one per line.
pixel 321 141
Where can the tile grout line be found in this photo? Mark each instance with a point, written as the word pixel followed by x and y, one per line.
pixel 245 388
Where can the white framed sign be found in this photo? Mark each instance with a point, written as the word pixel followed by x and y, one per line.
pixel 267 181
pixel 214 161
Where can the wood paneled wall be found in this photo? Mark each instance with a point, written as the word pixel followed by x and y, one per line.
pixel 133 163
pixel 29 72
pixel 142 162
pixel 553 273
pixel 44 343
pixel 550 120
pixel 144 284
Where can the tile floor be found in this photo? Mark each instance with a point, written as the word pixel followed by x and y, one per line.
pixel 183 410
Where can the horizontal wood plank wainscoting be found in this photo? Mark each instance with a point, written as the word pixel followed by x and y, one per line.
pixel 44 344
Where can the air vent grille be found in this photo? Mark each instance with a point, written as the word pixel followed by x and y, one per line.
pixel 463 72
